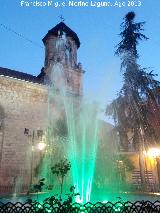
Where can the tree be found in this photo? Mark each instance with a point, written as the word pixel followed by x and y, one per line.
pixel 123 165
pixel 131 34
pixel 60 129
pixel 35 188
pixel 130 109
pixel 61 169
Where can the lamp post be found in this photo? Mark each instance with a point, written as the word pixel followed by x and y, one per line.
pixel 31 141
pixel 34 138
pixel 154 153
pixel 41 146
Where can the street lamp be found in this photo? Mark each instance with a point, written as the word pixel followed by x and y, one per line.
pixel 33 136
pixel 41 146
pixel 153 152
pixel 154 155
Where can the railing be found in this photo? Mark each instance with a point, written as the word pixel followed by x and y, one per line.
pixel 150 182
pixel 129 149
pixel 118 207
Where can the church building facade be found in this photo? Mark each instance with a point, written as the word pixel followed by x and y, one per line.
pixel 24 103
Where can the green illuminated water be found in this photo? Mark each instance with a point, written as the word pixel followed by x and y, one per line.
pixel 76 133
pixel 73 134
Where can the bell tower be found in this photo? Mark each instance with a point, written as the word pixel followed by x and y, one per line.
pixel 61 45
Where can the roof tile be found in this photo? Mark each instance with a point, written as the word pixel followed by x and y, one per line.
pixel 19 75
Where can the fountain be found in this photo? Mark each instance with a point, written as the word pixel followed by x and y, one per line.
pixel 72 133
pixel 75 132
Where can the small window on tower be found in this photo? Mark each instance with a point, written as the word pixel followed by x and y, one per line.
pixel 158 99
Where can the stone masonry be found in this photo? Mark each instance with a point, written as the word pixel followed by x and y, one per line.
pixel 24 105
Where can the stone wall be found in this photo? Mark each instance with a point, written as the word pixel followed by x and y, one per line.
pixel 22 105
pixel 25 105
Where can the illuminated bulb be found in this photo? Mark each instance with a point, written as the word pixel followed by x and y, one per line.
pixel 105 201
pixel 78 200
pixel 41 146
pixel 153 152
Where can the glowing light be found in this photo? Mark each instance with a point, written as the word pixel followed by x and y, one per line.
pixel 153 152
pixel 82 208
pixel 78 200
pixel 156 193
pixel 105 201
pixel 41 146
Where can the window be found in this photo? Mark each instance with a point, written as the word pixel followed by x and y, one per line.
pixel 158 99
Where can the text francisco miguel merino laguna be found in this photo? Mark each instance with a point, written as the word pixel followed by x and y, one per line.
pixel 135 3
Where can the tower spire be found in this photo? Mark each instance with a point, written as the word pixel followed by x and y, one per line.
pixel 61 45
pixel 62 19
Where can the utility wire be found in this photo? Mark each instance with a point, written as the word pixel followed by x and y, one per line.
pixel 20 35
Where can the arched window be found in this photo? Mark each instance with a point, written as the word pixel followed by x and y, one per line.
pixel 158 99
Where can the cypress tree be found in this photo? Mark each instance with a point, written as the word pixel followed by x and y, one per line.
pixel 130 109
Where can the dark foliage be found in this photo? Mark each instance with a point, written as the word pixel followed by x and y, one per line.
pixel 128 164
pixel 57 200
pixel 131 35
pixel 130 109
pixel 38 187
pixel 61 169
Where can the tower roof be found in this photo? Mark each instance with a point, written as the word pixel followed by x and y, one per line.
pixel 62 27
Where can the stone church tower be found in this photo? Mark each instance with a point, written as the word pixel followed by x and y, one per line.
pixel 61 45
pixel 24 103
